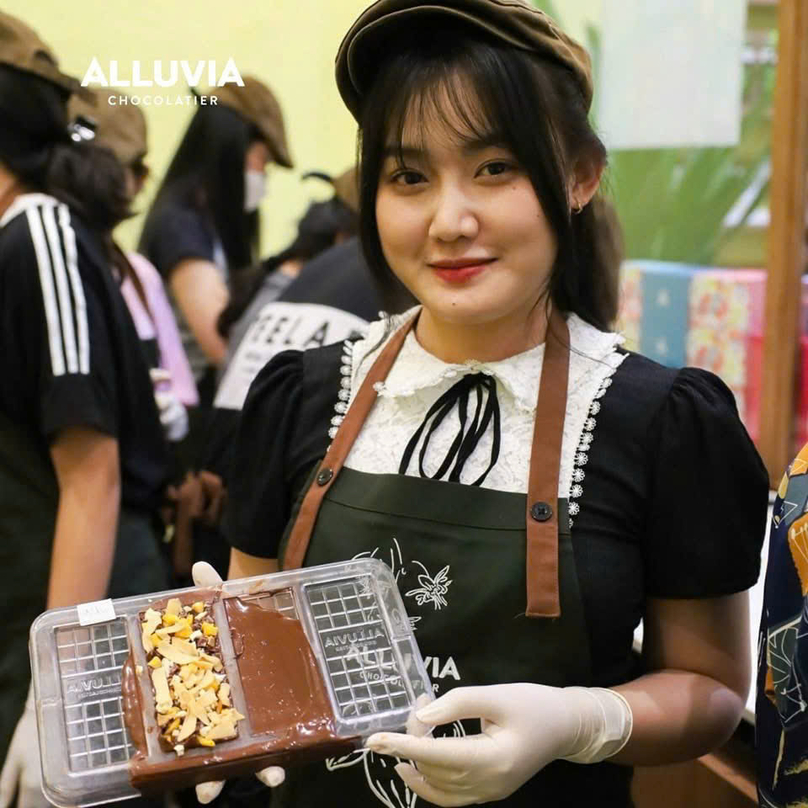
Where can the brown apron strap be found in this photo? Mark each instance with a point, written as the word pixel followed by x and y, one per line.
pixel 340 447
pixel 545 465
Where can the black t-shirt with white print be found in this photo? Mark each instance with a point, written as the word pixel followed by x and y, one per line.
pixel 71 355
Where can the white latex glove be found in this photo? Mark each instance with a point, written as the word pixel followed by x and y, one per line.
pixel 173 416
pixel 205 576
pixel 21 770
pixel 524 727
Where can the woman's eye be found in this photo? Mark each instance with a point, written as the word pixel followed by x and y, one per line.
pixel 408 177
pixel 495 168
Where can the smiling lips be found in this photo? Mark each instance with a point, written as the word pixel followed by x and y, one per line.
pixel 457 270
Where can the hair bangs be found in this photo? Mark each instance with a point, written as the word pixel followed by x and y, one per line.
pixel 439 97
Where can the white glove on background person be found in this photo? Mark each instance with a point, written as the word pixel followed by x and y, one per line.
pixel 173 416
pixel 524 727
pixel 21 770
pixel 205 576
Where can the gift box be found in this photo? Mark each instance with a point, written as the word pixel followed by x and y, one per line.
pixel 725 335
pixel 629 318
pixel 665 308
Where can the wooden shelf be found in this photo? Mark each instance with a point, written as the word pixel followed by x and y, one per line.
pixel 786 259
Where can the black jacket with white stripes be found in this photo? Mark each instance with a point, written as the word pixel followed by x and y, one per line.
pixel 70 355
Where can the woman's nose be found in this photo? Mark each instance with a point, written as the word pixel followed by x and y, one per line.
pixel 454 216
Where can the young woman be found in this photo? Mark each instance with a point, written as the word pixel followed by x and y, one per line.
pixel 80 437
pixel 203 225
pixel 537 489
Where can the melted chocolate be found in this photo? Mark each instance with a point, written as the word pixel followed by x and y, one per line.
pixel 132 707
pixel 287 707
pixel 282 684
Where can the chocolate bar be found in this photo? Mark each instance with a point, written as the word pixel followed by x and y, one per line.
pixel 316 659
pixel 287 717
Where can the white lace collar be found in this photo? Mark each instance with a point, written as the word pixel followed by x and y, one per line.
pixel 417 369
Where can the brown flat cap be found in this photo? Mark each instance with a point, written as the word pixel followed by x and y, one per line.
pixel 119 127
pixel 510 21
pixel 256 102
pixel 21 48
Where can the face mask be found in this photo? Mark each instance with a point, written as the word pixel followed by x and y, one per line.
pixel 255 189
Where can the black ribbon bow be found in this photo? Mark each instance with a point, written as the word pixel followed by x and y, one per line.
pixel 466 439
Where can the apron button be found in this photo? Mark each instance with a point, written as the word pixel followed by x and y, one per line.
pixel 541 511
pixel 324 477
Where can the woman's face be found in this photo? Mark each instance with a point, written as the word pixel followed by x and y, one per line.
pixel 461 226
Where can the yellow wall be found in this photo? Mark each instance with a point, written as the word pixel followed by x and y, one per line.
pixel 289 44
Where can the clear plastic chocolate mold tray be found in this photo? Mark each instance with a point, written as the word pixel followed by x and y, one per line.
pixel 352 615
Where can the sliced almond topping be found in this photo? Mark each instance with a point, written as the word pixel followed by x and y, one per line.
pixel 155 662
pixel 173 606
pixel 162 694
pixel 179 749
pixel 214 660
pixel 151 619
pixel 185 647
pixel 224 729
pixel 207 697
pixel 174 654
pixel 209 681
pixel 188 727
pixel 224 694
pixel 177 627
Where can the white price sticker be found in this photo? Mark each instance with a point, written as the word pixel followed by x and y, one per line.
pixel 99 611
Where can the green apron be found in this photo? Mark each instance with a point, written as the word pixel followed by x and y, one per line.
pixel 488 579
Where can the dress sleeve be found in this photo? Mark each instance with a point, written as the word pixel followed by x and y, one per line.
pixel 708 494
pixel 259 491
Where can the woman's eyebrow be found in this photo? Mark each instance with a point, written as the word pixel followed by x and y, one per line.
pixel 478 144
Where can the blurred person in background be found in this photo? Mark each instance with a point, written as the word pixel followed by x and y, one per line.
pixel 333 296
pixel 203 226
pixel 323 225
pixel 121 128
pixel 80 435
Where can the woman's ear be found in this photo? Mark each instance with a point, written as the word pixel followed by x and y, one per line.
pixel 584 183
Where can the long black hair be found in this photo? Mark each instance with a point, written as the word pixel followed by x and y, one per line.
pixel 207 174
pixel 36 148
pixel 531 105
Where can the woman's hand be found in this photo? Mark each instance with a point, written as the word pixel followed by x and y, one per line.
pixel 524 727
pixel 204 575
